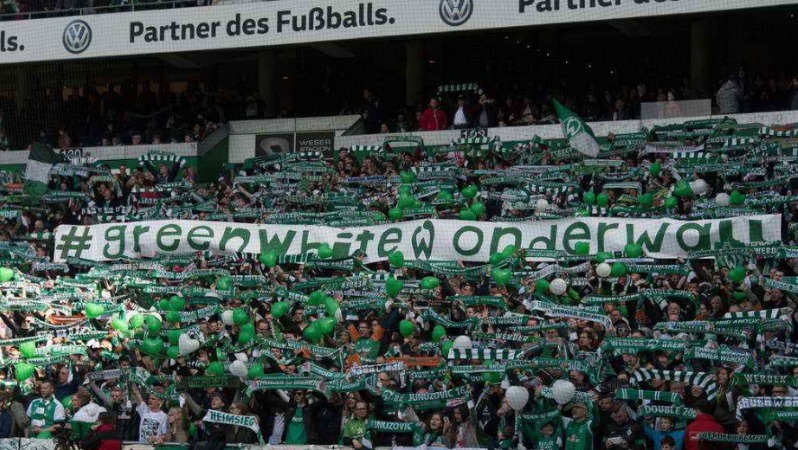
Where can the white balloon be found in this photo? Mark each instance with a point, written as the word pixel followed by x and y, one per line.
pixel 699 187
pixel 558 286
pixel 542 205
pixel 722 199
pixel 241 356
pixel 227 317
pixel 517 397
pixel 462 343
pixel 603 270
pixel 339 316
pixel 106 294
pixel 186 344
pixel 563 391
pixel 238 368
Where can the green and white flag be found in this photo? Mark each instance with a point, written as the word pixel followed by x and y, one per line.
pixel 578 133
pixel 37 171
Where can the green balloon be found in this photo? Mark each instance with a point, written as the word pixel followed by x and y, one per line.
pixel 740 296
pixel 467 214
pixel 215 368
pixel 618 269
pixel 24 371
pixel 224 283
pixel 633 251
pixel 407 176
pixel 67 402
pixel 119 324
pixel 589 198
pixel 671 202
pixel 395 213
pixel 446 347
pixel 245 336
pixel 509 250
pixel 279 309
pixel 177 303
pixel 470 192
pixel 173 317
pixel 603 200
pixel 393 287
pixel 541 286
pixel 330 306
pixel 682 189
pixel 405 200
pixel 405 189
pixel 153 324
pixel 603 256
pixel 582 213
pixel 497 258
pixel 136 321
pixel 645 200
pixel 582 248
pixel 28 349
pixel 173 352
pixel 492 377
pixel 6 274
pixel 240 316
pixel 737 274
pixel 325 251
pixel 192 430
pixel 327 325
pixel 397 259
pixel 93 310
pixel 255 371
pixel 655 169
pixel 406 327
pixel 163 304
pixel 430 283
pixel 152 346
pixel 174 336
pixel 316 298
pixel 478 208
pixel 501 276
pixel 444 196
pixel 736 198
pixel 438 333
pixel 312 333
pixel 268 258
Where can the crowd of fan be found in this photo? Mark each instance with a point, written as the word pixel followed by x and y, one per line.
pixel 165 406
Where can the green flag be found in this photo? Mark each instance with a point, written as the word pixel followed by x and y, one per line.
pixel 41 160
pixel 578 133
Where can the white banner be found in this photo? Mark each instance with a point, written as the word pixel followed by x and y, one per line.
pixel 418 240
pixel 284 22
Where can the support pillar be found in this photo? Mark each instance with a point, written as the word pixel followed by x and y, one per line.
pixel 414 71
pixel 701 57
pixel 267 80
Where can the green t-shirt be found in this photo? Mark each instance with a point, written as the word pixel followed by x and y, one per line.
pixel 296 429
pixel 579 436
pixel 367 348
pixel 355 429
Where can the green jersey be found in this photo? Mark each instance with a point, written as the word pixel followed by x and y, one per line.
pixel 579 435
pixel 296 429
pixel 45 413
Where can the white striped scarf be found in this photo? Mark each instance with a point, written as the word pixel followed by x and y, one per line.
pixel 482 354
pixel 702 379
pixel 162 158
pixel 458 87
pixel 767 131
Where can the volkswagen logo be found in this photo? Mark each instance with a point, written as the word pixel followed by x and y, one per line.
pixel 456 12
pixel 77 36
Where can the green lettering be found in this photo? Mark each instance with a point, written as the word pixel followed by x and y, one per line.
pixel 194 237
pixel 549 242
pixel 165 232
pixel 233 233
pixel 477 245
pixel 280 247
pixel 575 231
pixel 644 241
pixel 385 239
pixel 604 228
pixel 499 233
pixel 115 233
pixel 364 238
pixel 138 230
pixel 422 246
pixel 341 249
pixel 700 233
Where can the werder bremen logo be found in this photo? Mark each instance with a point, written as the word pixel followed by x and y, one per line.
pixel 77 36
pixel 573 127
pixel 456 12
